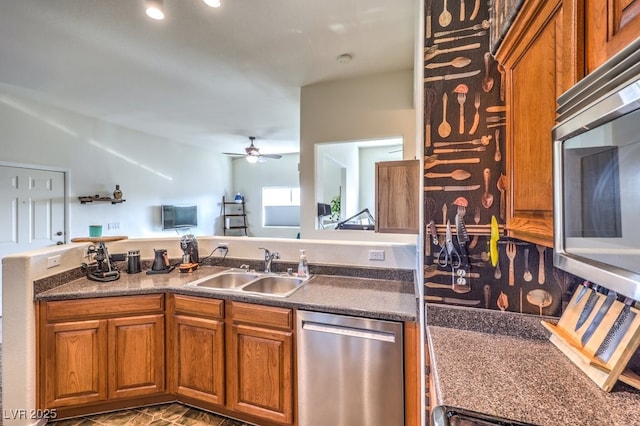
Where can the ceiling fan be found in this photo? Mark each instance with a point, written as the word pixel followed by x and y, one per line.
pixel 252 153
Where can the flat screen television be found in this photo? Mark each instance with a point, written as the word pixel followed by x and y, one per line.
pixel 176 217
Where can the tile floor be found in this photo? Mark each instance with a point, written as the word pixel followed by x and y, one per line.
pixel 156 415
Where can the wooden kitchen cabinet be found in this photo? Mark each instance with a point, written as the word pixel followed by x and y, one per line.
pixel 75 359
pixel 543 56
pixel 260 361
pixel 398 197
pixel 136 356
pixel 98 350
pixel 197 366
pixel 610 26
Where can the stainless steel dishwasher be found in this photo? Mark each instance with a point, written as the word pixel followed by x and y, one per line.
pixel 350 371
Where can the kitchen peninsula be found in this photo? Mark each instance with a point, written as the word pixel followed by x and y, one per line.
pixel 386 292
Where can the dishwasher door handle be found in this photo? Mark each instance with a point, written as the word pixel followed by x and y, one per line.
pixel 349 331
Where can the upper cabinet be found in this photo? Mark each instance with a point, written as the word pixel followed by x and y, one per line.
pixel 610 26
pixel 398 196
pixel 541 59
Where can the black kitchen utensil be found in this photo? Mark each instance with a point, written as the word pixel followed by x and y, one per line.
pixel 463 237
pixel 585 286
pixel 617 332
pixel 588 307
pixel 161 263
pixel 602 312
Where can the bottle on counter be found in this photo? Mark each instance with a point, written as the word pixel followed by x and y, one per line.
pixel 303 266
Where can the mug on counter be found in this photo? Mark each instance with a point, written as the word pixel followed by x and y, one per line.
pixel 95 231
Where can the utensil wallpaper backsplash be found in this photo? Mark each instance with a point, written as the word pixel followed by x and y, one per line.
pixel 464 122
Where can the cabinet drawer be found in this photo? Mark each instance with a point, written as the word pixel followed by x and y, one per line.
pixel 104 306
pixel 266 316
pixel 198 306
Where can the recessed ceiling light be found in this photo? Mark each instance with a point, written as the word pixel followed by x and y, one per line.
pixel 155 9
pixel 344 58
pixel 212 3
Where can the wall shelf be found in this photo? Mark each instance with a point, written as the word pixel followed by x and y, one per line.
pixel 98 199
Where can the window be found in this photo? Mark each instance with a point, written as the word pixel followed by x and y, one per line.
pixel 280 206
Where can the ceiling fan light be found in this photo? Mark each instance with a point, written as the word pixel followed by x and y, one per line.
pixel 252 158
pixel 155 9
pixel 212 3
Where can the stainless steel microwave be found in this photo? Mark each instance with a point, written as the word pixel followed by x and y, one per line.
pixel 596 172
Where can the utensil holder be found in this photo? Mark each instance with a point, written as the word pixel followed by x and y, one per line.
pixel 568 340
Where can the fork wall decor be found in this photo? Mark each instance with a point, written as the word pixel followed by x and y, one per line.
pixel 464 119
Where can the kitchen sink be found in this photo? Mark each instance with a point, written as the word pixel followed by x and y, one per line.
pixel 241 281
pixel 225 280
pixel 274 285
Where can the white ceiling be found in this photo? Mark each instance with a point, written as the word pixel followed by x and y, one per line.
pixel 204 76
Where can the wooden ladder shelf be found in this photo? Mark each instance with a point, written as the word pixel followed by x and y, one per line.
pixel 234 221
pixel 566 338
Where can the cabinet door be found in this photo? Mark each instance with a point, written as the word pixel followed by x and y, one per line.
pixel 136 356
pixel 397 196
pixel 199 358
pixel 75 363
pixel 261 372
pixel 535 74
pixel 610 26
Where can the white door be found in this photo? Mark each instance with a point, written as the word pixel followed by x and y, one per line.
pixel 31 210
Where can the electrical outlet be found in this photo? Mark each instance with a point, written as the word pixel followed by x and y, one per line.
pixel 376 254
pixel 114 225
pixel 53 261
pixel 223 246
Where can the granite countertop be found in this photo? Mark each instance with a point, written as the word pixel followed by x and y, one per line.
pixel 365 297
pixel 525 379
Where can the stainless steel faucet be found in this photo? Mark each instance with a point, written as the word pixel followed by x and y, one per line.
pixel 268 258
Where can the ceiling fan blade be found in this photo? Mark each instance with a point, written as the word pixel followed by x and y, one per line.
pixel 234 154
pixel 275 156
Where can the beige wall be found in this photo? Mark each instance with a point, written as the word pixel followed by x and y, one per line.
pixel 249 179
pixel 150 171
pixel 372 107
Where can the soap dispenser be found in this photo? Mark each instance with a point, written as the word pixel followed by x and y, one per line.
pixel 303 266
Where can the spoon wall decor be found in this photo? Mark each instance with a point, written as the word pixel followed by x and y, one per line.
pixel 487 197
pixel 487 81
pixel 458 62
pixel 458 174
pixel 445 17
pixel 444 129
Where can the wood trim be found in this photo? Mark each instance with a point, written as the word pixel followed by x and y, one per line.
pixel 90 409
pixel 412 374
pixel 41 344
pixel 101 307
pixel 202 307
pixel 263 316
pixel 225 411
pixel 573 61
pixel 531 16
pixel 609 29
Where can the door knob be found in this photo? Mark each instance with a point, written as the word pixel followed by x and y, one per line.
pixel 59 243
pixel 59 233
